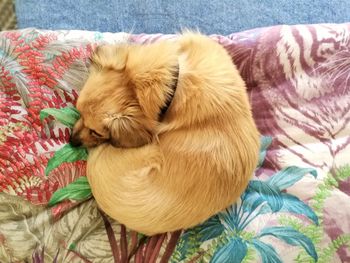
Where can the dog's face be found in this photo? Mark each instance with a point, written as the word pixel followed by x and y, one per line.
pixel 121 98
pixel 110 112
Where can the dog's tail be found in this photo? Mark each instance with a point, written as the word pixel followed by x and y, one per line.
pixel 129 187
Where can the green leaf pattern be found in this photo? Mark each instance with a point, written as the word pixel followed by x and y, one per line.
pixel 67 116
pixel 78 190
pixel 66 154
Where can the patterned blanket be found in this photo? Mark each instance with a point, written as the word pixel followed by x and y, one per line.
pixel 295 209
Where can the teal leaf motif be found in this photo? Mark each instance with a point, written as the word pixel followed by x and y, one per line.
pixel 289 176
pixel 66 154
pixel 210 229
pixel 234 252
pixel 290 204
pixel 291 237
pixel 77 190
pixel 265 142
pixel 229 218
pixel 251 201
pixel 269 194
pixel 267 253
pixel 293 204
pixel 67 116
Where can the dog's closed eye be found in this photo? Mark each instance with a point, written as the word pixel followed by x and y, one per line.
pixel 96 134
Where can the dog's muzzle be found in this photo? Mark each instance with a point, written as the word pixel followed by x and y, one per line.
pixel 75 140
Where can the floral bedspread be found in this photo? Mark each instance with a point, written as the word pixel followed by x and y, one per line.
pixel 295 209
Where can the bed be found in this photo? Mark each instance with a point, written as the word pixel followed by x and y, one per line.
pixel 295 209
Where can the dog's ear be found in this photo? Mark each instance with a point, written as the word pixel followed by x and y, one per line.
pixel 150 70
pixel 151 64
pixel 93 59
pixel 127 133
pixel 113 57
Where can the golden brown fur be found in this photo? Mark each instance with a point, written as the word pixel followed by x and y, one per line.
pixel 173 174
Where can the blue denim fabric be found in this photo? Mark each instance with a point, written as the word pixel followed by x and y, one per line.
pixel 156 16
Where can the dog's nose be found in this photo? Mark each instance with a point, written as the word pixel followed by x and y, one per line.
pixel 75 141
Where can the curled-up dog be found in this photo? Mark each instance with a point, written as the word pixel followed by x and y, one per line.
pixel 169 130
